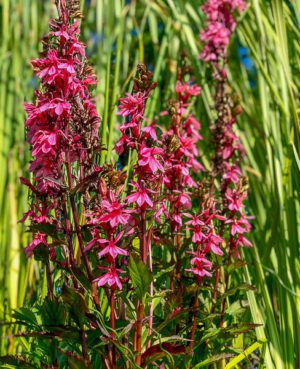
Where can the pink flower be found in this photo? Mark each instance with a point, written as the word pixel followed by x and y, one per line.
pixel 198 236
pixel 201 266
pixel 243 241
pixel 232 172
pixel 195 221
pixel 184 201
pixel 116 214
pixel 186 90
pixel 111 278
pixel 38 239
pixel 213 241
pixel 162 210
pixel 151 157
pixel 132 105
pixel 239 226
pixel 150 131
pixel 140 197
pixel 112 249
pixel 235 199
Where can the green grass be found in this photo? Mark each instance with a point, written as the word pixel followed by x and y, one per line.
pixel 156 32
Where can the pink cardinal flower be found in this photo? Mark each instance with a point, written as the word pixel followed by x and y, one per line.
pixel 239 226
pixel 198 236
pixel 195 221
pixel 38 239
pixel 111 278
pixel 115 212
pixel 201 265
pixel 213 242
pixel 235 199
pixel 186 90
pixel 112 249
pixel 243 241
pixel 232 172
pixel 132 105
pixel 150 131
pixel 151 157
pixel 184 201
pixel 141 196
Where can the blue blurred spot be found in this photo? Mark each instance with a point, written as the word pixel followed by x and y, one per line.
pixel 243 51
pixel 134 32
pixel 119 166
pixel 34 82
pixel 247 62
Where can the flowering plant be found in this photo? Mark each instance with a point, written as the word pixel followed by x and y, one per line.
pixel 138 263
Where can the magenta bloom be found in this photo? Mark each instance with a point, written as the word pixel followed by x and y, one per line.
pixel 201 265
pixel 232 172
pixel 111 278
pixel 141 197
pixel 38 239
pixel 112 249
pixel 221 24
pixel 151 157
pixel 115 212
pixel 239 226
pixel 213 242
pixel 186 90
pixel 132 105
pixel 235 199
pixel 195 221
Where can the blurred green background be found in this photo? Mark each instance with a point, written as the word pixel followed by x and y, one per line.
pixel 264 76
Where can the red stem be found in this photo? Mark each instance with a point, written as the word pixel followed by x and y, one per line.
pixel 79 236
pixel 84 345
pixel 140 315
pixel 194 327
pixel 112 326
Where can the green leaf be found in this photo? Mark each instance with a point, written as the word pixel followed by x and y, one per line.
pixel 17 362
pixel 211 360
pixel 77 303
pixel 26 316
pixel 78 363
pixel 234 362
pixel 140 275
pixel 53 312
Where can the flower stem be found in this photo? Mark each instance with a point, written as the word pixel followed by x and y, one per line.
pixel 112 326
pixel 84 345
pixel 140 315
pixel 79 236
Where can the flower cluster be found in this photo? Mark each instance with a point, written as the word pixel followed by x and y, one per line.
pixel 63 122
pixel 182 159
pixel 220 25
pixel 228 148
pixel 108 215
pixel 62 125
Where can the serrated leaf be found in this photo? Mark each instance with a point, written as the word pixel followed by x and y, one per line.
pixel 53 312
pixel 140 275
pixel 211 333
pixel 77 304
pixel 236 308
pixel 17 362
pixel 25 315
